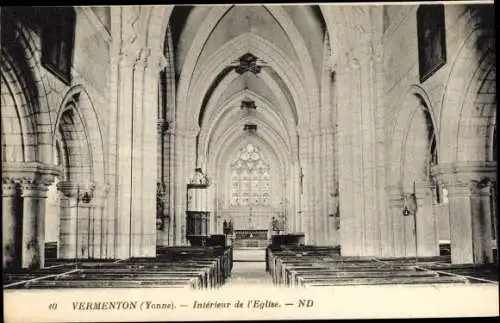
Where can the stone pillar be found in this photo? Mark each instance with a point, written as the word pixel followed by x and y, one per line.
pixel 153 63
pixel 83 227
pixel 77 221
pixel 171 181
pixel 460 223
pixel 11 223
pixel 124 162
pixel 185 162
pixel 33 223
pixel 358 163
pixel 68 220
pixel 482 221
pixel 394 242
pixel 469 205
pixel 307 216
pixel 34 193
pixel 34 179
pixel 99 222
pixel 136 163
pixel 426 234
pixel 298 198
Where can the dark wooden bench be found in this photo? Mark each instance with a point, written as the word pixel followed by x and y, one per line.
pixel 323 266
pixel 174 267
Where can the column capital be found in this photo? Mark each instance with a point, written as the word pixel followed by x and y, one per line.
pixel 29 174
pixel 9 187
pixel 463 174
pixel 68 188
pixel 84 192
pixel 154 62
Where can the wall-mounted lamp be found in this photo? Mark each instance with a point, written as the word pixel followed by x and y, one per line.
pixel 409 203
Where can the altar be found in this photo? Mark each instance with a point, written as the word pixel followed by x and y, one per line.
pixel 251 238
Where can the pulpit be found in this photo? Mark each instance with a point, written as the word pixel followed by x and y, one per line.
pixel 197 214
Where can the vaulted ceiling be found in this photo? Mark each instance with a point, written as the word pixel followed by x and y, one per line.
pixel 225 55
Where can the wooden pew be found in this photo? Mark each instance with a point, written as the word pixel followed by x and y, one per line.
pixel 176 267
pixel 323 266
pixel 178 282
pixel 380 281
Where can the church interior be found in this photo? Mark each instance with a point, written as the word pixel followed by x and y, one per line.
pixel 198 146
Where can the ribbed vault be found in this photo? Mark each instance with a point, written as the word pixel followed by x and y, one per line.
pixel 267 57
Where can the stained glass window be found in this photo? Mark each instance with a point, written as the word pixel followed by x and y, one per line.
pixel 250 178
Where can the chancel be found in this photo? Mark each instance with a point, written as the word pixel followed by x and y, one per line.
pixel 208 146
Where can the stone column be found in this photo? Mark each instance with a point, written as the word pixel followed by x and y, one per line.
pixel 136 162
pixel 170 156
pixel 307 216
pixel 481 221
pixel 76 220
pixel 67 220
pixel 394 242
pixel 427 240
pixel 460 223
pixel 185 163
pixel 34 192
pixel 469 205
pixel 98 224
pixel 83 226
pixel 127 61
pixel 357 106
pixel 11 223
pixel 153 63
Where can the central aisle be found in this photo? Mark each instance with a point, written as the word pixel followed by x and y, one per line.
pixel 249 268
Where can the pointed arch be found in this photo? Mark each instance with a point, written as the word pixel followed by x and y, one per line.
pixel 78 120
pixel 415 98
pixel 474 58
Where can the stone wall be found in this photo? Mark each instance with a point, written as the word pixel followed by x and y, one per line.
pixel 456 109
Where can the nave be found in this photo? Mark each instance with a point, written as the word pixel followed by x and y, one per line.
pixel 288 265
pixel 135 137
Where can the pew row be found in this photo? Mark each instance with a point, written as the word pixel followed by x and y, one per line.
pixel 304 266
pixel 174 267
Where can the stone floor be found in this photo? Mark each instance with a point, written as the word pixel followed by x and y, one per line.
pixel 249 268
pixel 249 254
